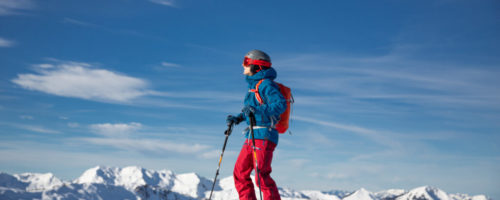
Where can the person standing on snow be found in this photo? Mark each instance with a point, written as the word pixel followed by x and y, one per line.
pixel 257 66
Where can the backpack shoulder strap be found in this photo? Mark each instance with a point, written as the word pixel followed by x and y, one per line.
pixel 256 91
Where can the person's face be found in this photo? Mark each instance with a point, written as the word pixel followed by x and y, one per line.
pixel 247 71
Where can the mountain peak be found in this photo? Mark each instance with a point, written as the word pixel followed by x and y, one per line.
pixel 29 181
pixel 98 174
pixel 390 194
pixel 360 194
pixel 130 177
pixel 102 182
pixel 425 193
pixel 192 184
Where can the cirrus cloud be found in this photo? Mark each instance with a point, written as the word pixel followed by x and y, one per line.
pixel 170 3
pixel 82 80
pixel 10 7
pixel 6 43
pixel 108 129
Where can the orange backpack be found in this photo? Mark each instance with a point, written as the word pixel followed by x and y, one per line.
pixel 282 124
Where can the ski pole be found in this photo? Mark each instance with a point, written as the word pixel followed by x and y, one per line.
pixel 227 133
pixel 257 170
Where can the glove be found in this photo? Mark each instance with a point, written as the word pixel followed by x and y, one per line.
pixel 234 119
pixel 247 110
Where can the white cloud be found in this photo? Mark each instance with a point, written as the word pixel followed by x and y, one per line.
pixel 352 128
pixel 80 23
pixel 33 128
pixel 6 43
pixel 150 145
pixel 73 124
pixel 170 3
pixel 167 64
pixel 395 77
pixel 39 129
pixel 377 136
pixel 44 66
pixel 121 136
pixel 85 81
pixel 10 7
pixel 81 80
pixel 112 130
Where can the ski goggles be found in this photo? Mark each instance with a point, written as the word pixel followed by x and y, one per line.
pixel 248 61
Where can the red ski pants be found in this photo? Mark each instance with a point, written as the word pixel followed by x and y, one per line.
pixel 246 164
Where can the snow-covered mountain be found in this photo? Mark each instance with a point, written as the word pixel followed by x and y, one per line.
pixel 138 183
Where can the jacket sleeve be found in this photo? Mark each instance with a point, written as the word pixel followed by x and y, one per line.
pixel 275 103
pixel 242 116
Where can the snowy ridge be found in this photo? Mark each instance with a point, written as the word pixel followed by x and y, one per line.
pixel 138 183
pixel 361 194
pixel 29 181
pixel 129 177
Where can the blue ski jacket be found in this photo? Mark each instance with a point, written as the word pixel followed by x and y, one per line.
pixel 267 114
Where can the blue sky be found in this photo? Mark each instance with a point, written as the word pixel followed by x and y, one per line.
pixel 389 94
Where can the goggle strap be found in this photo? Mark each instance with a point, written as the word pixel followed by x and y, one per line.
pixel 249 61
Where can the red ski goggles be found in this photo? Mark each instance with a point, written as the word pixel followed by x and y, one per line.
pixel 248 61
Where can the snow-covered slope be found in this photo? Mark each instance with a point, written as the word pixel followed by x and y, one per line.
pixel 361 194
pixel 425 192
pixel 389 194
pixel 138 183
pixel 128 177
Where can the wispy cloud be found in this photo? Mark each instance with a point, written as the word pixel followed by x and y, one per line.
pixel 116 130
pixel 395 77
pixel 32 128
pixel 351 128
pixel 6 43
pixel 97 26
pixel 79 22
pixel 73 125
pixel 39 129
pixel 166 65
pixel 377 136
pixel 90 82
pixel 148 145
pixel 81 80
pixel 170 3
pixel 12 7
pixel 131 137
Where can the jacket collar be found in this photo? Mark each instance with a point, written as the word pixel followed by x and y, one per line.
pixel 263 74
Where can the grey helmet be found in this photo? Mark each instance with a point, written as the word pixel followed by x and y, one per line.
pixel 258 60
pixel 258 55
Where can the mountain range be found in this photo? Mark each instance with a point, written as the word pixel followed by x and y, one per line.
pixel 134 182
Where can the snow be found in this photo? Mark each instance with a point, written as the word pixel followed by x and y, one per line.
pixel 425 192
pixel 192 184
pixel 135 182
pixel 361 194
pixel 129 177
pixel 314 194
pixel 29 181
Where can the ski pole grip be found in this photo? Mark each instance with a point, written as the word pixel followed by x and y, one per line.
pixel 229 129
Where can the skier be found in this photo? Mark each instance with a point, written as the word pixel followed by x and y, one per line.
pixel 257 67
